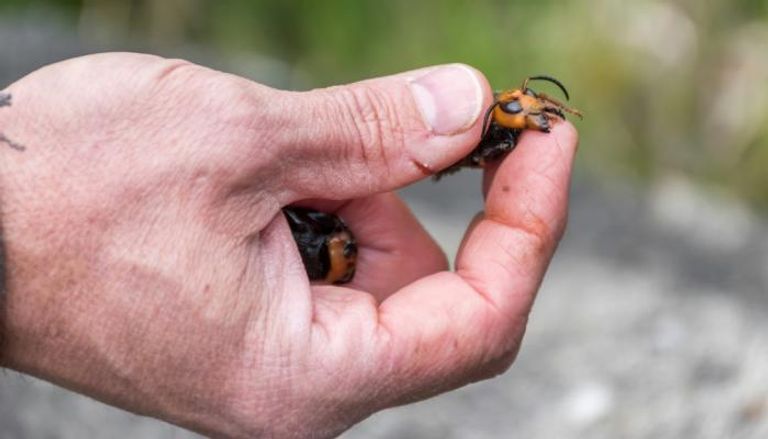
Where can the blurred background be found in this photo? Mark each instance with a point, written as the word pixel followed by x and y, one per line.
pixel 652 322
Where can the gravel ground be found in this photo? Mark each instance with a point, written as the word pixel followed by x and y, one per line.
pixel 651 322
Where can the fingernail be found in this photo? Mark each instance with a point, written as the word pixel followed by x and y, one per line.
pixel 449 98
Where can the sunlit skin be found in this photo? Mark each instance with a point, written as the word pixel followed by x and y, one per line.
pixel 150 266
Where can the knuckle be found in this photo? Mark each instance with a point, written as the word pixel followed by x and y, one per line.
pixel 497 366
pixel 195 88
pixel 169 69
pixel 374 124
pixel 211 102
pixel 221 114
pixel 532 238
pixel 500 348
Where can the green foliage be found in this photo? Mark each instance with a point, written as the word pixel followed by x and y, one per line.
pixel 675 86
pixel 65 6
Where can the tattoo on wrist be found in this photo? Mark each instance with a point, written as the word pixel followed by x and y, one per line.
pixel 5 101
pixel 11 143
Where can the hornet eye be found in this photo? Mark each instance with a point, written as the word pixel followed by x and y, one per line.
pixel 511 107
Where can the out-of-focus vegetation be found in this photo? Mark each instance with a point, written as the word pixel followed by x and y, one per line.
pixel 668 87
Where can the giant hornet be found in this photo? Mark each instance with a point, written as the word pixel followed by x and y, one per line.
pixel 512 112
pixel 328 248
pixel 326 245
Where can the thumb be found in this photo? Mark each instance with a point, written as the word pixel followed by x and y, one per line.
pixel 381 134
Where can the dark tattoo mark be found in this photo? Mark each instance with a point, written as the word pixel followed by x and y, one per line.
pixel 5 101
pixel 11 143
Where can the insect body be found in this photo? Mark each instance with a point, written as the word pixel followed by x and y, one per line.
pixel 327 247
pixel 512 112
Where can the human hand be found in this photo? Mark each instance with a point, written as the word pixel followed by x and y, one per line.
pixel 149 265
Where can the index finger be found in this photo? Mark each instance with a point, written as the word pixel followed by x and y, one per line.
pixel 449 328
pixel 525 215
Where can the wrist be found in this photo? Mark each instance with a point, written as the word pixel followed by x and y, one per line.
pixel 2 295
pixel 5 101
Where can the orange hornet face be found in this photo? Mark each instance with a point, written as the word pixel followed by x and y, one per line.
pixel 523 108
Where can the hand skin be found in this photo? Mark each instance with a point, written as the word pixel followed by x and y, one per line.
pixel 149 265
